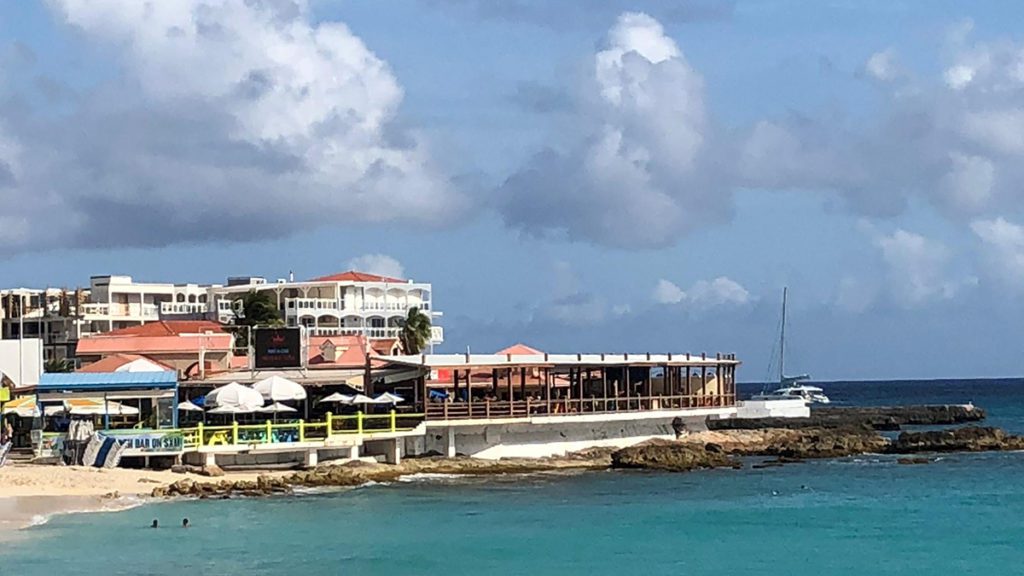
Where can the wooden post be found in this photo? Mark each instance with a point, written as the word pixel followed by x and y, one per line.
pixel 455 382
pixel 469 392
pixel 522 382
pixel 579 378
pixel 511 393
pixel 368 377
pixel 604 386
pixel 547 388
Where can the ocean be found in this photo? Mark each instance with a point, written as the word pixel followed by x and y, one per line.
pixel 864 515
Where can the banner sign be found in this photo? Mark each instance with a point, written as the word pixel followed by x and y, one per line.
pixel 152 441
pixel 278 348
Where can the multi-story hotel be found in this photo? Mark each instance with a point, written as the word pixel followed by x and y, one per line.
pixel 61 317
pixel 350 303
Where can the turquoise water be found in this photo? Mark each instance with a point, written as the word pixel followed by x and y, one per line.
pixel 959 515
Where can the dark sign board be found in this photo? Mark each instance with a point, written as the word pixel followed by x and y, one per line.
pixel 278 347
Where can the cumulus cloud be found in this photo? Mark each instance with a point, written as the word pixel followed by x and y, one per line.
pixel 956 140
pixel 667 292
pixel 227 120
pixel 917 268
pixel 704 294
pixel 626 180
pixel 1003 244
pixel 883 65
pixel 380 264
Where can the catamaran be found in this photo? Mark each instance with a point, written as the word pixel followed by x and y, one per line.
pixel 789 386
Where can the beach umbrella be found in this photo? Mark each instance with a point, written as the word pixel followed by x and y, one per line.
pixel 241 399
pixel 275 408
pixel 232 409
pixel 97 407
pixel 279 389
pixel 187 406
pixel 24 407
pixel 338 397
pixel 361 399
pixel 388 398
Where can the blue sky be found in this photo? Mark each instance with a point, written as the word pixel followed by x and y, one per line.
pixel 599 176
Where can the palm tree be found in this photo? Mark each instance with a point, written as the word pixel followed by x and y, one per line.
pixel 59 365
pixel 258 310
pixel 415 333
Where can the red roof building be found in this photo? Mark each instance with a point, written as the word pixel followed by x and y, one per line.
pixel 354 276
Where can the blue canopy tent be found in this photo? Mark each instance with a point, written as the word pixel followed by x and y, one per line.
pixel 55 387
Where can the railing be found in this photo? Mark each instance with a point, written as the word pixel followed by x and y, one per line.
pixel 297 431
pixel 294 306
pixel 183 308
pixel 487 409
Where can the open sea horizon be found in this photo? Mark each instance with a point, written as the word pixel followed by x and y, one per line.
pixel 865 515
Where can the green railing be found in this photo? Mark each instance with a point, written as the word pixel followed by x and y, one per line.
pixel 297 431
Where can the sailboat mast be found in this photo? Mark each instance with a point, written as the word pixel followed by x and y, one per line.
pixel 782 339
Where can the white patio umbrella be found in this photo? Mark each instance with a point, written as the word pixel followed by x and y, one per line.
pixel 388 398
pixel 361 399
pixel 338 397
pixel 232 409
pixel 275 408
pixel 187 406
pixel 279 389
pixel 97 407
pixel 240 398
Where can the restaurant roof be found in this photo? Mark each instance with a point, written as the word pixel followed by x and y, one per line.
pixel 583 360
pixel 106 381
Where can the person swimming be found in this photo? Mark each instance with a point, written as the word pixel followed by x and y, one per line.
pixel 155 524
pixel 184 523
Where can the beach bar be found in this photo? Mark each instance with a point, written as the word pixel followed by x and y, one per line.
pixel 136 408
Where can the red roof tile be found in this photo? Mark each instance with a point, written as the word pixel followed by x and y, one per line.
pixel 519 349
pixel 106 344
pixel 165 328
pixel 351 351
pixel 354 276
pixel 113 362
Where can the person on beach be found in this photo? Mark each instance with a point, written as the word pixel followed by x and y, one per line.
pixel 184 523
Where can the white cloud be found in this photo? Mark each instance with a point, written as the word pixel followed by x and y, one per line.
pixel 226 120
pixel 970 181
pixel 721 291
pixel 883 66
pixel 917 267
pixel 380 264
pixel 1003 242
pixel 626 180
pixel 704 294
pixel 666 292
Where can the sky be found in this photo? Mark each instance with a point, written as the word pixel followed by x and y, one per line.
pixel 601 176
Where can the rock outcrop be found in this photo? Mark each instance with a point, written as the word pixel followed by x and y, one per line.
pixel 878 418
pixel 968 439
pixel 673 457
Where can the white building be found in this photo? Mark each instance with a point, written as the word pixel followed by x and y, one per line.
pixel 349 303
pixel 60 317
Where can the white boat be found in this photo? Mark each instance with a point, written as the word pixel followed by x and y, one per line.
pixel 789 389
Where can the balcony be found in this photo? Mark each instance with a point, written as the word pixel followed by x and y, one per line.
pixel 190 308
pixel 316 306
pixel 370 332
pixel 118 310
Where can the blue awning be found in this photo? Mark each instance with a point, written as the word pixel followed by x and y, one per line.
pixel 107 381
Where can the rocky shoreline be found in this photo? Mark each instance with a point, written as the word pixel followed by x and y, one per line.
pixel 854 433
pixel 888 418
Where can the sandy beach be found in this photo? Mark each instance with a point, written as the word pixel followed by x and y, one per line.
pixel 29 493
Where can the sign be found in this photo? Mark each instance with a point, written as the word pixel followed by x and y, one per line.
pixel 147 442
pixel 278 348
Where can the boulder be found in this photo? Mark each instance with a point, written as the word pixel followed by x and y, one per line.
pixel 673 457
pixel 211 470
pixel 967 439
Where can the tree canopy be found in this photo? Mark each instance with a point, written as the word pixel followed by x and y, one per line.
pixel 415 332
pixel 255 309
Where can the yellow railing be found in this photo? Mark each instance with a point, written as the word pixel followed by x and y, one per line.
pixel 297 431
